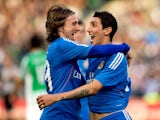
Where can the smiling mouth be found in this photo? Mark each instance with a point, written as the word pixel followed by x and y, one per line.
pixel 92 37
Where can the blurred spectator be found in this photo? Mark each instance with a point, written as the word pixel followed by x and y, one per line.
pixel 2 54
pixel 9 79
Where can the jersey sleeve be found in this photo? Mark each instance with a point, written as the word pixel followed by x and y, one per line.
pixel 114 71
pixel 72 50
pixel 108 50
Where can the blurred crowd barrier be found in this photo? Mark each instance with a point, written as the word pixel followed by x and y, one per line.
pixel 139 26
pixel 138 108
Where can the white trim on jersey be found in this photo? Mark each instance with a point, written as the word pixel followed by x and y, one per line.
pixel 75 42
pixel 126 115
pixel 117 60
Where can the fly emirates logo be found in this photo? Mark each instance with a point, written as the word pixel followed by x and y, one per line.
pixel 77 75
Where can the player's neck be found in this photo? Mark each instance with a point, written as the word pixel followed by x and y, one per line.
pixel 106 41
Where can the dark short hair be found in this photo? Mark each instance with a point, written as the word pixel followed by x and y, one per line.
pixel 36 41
pixel 107 20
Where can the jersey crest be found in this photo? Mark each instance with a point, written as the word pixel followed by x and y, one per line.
pixel 101 65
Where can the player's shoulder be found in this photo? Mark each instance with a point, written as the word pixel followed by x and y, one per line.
pixel 26 56
pixel 63 42
pixel 117 56
pixel 116 59
pixel 25 60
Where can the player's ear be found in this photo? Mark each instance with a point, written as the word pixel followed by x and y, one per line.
pixel 107 31
pixel 60 29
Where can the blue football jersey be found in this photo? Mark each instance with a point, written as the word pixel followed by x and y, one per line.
pixel 112 73
pixel 62 74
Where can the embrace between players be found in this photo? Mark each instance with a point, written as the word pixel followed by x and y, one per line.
pixel 108 85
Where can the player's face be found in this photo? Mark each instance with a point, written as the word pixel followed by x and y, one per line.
pixel 70 27
pixel 96 31
pixel 80 34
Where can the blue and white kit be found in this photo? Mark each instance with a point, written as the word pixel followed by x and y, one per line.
pixel 112 73
pixel 62 74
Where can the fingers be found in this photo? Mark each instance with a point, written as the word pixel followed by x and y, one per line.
pixel 129 58
pixel 40 102
pixel 39 99
pixel 41 106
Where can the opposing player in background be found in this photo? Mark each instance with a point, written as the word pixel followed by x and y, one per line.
pixel 62 72
pixel 32 71
pixel 109 85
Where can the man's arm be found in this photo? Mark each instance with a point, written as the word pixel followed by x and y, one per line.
pixel 83 91
pixel 107 50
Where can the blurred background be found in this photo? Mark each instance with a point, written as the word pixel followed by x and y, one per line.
pixel 139 26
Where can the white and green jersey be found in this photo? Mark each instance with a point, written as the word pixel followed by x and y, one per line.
pixel 32 71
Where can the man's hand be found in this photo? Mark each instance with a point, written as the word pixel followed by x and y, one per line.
pixel 129 57
pixel 45 100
